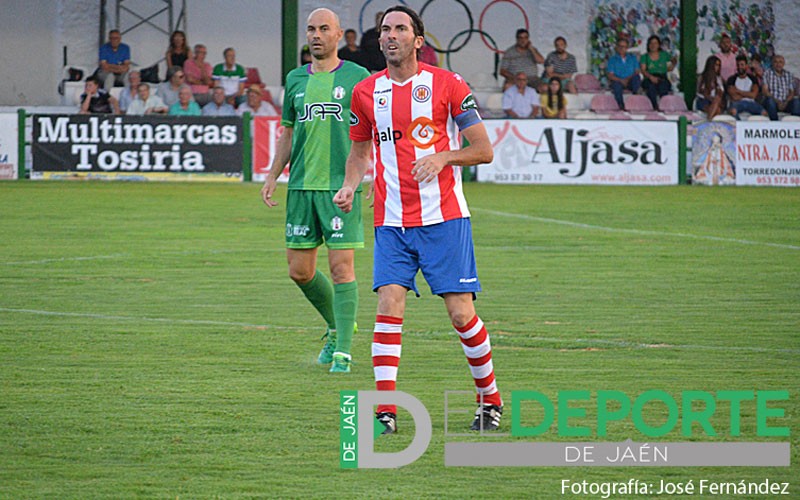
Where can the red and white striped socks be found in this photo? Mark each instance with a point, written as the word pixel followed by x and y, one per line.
pixel 386 349
pixel 478 349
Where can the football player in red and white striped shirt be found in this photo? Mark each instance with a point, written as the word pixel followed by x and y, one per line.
pixel 412 113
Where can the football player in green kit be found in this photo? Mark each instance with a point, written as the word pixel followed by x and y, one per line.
pixel 316 143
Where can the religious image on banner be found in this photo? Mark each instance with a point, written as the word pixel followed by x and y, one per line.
pixel 713 153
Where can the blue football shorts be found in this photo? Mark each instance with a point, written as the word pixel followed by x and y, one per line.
pixel 444 252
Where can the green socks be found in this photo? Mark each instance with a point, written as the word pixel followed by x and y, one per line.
pixel 319 291
pixel 345 306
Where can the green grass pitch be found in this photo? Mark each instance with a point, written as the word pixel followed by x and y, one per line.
pixel 153 346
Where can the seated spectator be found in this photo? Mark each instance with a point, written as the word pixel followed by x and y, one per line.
pixel 305 55
pixel 371 48
pixel 115 61
pixel 655 64
pixel 97 100
pixel 255 105
pixel 742 91
pixel 554 104
pixel 146 104
pixel 168 91
pixel 185 105
pixel 427 55
pixel 128 94
pixel 623 72
pixel 756 70
pixel 218 106
pixel 521 57
pixel 198 75
pixel 230 76
pixel 711 89
pixel 778 90
pixel 562 65
pixel 351 52
pixel 727 56
pixel 178 51
pixel 521 101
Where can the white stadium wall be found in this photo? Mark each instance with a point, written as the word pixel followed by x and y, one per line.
pixel 33 32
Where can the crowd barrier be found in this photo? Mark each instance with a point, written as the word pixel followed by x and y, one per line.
pixel 611 152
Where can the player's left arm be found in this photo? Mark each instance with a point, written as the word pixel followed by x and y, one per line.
pixel 479 151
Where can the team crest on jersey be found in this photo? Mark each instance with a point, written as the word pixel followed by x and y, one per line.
pixel 421 93
pixel 423 132
pixel 337 223
pixel 338 92
pixel 383 103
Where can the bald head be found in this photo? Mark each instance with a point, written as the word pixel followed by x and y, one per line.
pixel 325 15
pixel 323 33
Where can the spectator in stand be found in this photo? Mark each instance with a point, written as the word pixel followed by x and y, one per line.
pixel 178 51
pixel 521 57
pixel 231 77
pixel 521 101
pixel 146 104
pixel 778 90
pixel 218 106
pixel 186 106
pixel 554 104
pixel 655 64
pixel 305 55
pixel 727 57
pixel 97 100
pixel 562 65
pixel 742 91
pixel 711 89
pixel 623 72
pixel 115 61
pixel 351 52
pixel 255 105
pixel 371 47
pixel 756 70
pixel 128 94
pixel 427 55
pixel 168 90
pixel 198 74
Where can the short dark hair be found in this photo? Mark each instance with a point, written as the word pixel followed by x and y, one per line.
pixel 741 57
pixel 559 38
pixel 522 31
pixel 94 80
pixel 224 52
pixel 416 20
pixel 351 30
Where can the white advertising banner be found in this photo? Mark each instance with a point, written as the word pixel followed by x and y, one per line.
pixel 768 154
pixel 582 152
pixel 9 141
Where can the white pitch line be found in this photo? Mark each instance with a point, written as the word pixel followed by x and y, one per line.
pixel 635 231
pixel 614 343
pixel 67 259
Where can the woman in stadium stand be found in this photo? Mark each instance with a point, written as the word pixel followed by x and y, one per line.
pixel 178 51
pixel 711 89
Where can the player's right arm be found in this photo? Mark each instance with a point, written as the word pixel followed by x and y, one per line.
pixel 358 162
pixel 283 151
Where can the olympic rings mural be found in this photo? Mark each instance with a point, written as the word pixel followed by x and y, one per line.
pixel 460 40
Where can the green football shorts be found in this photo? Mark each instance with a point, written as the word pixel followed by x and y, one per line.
pixel 312 217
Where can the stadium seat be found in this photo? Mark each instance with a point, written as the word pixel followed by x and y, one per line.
pixel 758 118
pixel 603 103
pixel 636 103
pixel 673 106
pixel 790 118
pixel 494 102
pixel 724 117
pixel 587 83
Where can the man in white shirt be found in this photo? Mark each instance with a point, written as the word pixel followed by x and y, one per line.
pixel 519 100
pixel 146 104
pixel 255 105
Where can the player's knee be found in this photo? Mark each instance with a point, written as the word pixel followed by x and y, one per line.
pixel 301 276
pixel 342 273
pixel 461 318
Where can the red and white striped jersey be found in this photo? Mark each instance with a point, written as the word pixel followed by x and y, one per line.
pixel 408 121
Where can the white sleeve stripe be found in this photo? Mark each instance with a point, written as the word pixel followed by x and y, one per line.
pixel 386 349
pixel 385 373
pixel 472 331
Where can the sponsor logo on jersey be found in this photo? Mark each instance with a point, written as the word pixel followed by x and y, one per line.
pixel 337 223
pixel 423 132
pixel 294 230
pixel 382 102
pixel 354 119
pixel 337 235
pixel 468 280
pixel 421 93
pixel 468 103
pixel 338 92
pixel 387 135
pixel 322 110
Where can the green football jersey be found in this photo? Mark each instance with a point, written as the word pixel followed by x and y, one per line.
pixel 317 107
